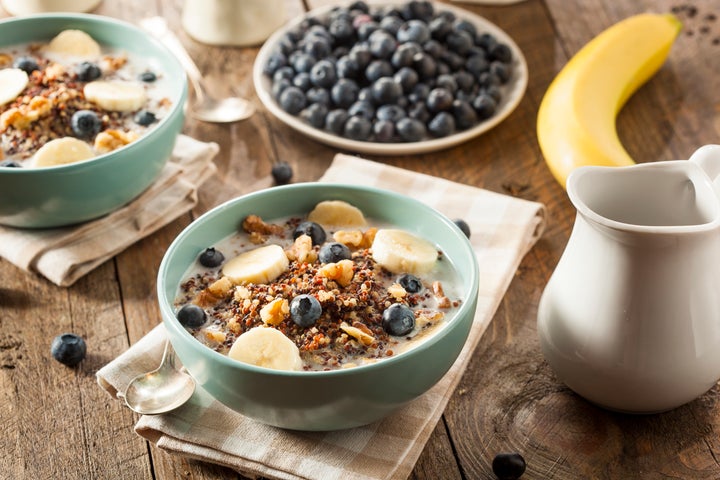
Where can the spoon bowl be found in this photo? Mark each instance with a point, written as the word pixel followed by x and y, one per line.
pixel 226 110
pixel 161 390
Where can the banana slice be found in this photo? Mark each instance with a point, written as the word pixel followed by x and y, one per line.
pixel 74 42
pixel 337 212
pixel 266 347
pixel 61 151
pixel 261 265
pixel 402 252
pixel 12 82
pixel 116 96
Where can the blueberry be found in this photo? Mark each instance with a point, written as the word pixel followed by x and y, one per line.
pixel 147 76
pixel 27 64
pixel 335 120
pixel 425 65
pixel 313 230
pixel 494 92
pixel 411 130
pixel 68 349
pixel 211 258
pixel 447 82
pixel 346 67
pixel 419 93
pixel 334 252
pixel 378 69
pixel 315 114
pixel 279 86
pixel 145 118
pixel 323 74
pixel 508 466
pixel 500 52
pixel 362 109
pixel 305 310
pixel 413 31
pixel 292 100
pixel 420 113
pixel 442 125
pixel 391 24
pixel 88 71
pixel 302 81
pixel 318 95
pixel 459 41
pixel 361 54
pixel 344 93
pixel 359 5
pixel 484 105
pixel 488 79
pixel 317 46
pixel 281 172
pixel 392 113
pixel 275 61
pixel 485 40
pixel 477 65
pixel 382 44
pixel 454 60
pixel 85 124
pixel 463 226
pixel 403 56
pixel 285 72
pixel 191 316
pixel 422 10
pixel 342 30
pixel 501 71
pixel 464 80
pixel 357 128
pixel 385 90
pixel 407 78
pixel 439 99
pixel 434 48
pixel 303 62
pixel 465 116
pixel 410 283
pixel 10 164
pixel 398 320
pixel 465 26
pixel 440 28
pixel 384 131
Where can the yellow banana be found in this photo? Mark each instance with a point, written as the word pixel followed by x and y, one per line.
pixel 576 120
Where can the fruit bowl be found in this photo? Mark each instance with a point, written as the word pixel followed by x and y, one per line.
pixel 320 400
pixel 512 90
pixel 68 194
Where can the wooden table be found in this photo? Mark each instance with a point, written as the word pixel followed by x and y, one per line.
pixel 56 423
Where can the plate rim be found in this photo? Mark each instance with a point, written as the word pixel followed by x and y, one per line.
pixel 512 95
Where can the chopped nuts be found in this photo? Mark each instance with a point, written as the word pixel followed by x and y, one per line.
pixel 258 229
pixel 397 291
pixel 361 336
pixel 110 140
pixel 356 239
pixel 302 250
pixel 442 300
pixel 342 272
pixel 275 312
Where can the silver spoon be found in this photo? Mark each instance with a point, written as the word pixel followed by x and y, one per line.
pixel 205 108
pixel 161 390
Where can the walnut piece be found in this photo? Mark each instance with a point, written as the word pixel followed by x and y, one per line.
pixel 442 300
pixel 342 272
pixel 362 335
pixel 302 250
pixel 275 312
pixel 110 140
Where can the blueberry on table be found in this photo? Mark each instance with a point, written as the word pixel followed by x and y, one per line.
pixel 305 310
pixel 398 320
pixel 10 164
pixel 88 71
pixel 145 118
pixel 85 124
pixel 68 349
pixel 463 226
pixel 410 283
pixel 211 258
pixel 191 316
pixel 334 252
pixel 313 230
pixel 508 466
pixel 147 76
pixel 26 64
pixel 282 173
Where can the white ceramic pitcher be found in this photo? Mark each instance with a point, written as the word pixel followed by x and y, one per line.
pixel 630 318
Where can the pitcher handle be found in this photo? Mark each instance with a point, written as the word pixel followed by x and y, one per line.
pixel 708 158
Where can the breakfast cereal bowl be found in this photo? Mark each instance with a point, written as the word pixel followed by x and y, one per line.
pixel 359 381
pixel 102 144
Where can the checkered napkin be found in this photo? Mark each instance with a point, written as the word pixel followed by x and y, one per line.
pixel 503 230
pixel 63 255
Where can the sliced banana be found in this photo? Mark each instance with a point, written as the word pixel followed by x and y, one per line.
pixel 266 347
pixel 62 151
pixel 402 252
pixel 261 265
pixel 338 213
pixel 12 82
pixel 116 96
pixel 74 42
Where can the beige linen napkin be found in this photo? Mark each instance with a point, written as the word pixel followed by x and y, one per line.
pixel 503 230
pixel 63 255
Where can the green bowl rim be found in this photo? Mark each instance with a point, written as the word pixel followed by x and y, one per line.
pixel 166 310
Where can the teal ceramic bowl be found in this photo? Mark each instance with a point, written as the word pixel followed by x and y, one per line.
pixel 329 400
pixel 73 193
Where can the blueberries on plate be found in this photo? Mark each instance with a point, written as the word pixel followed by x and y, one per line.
pixel 68 349
pixel 85 124
pixel 191 316
pixel 88 71
pixel 398 320
pixel 337 71
pixel 211 258
pixel 313 230
pixel 305 310
pixel 334 252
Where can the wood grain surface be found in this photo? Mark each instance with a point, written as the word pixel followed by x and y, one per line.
pixel 55 422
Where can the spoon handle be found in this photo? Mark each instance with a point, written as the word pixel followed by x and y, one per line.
pixel 157 26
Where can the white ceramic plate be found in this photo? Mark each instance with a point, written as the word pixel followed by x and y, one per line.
pixel 512 91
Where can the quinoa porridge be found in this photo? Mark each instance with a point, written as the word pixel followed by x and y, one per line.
pixel 324 291
pixel 71 99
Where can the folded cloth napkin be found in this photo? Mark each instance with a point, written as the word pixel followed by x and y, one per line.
pixel 63 255
pixel 503 230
